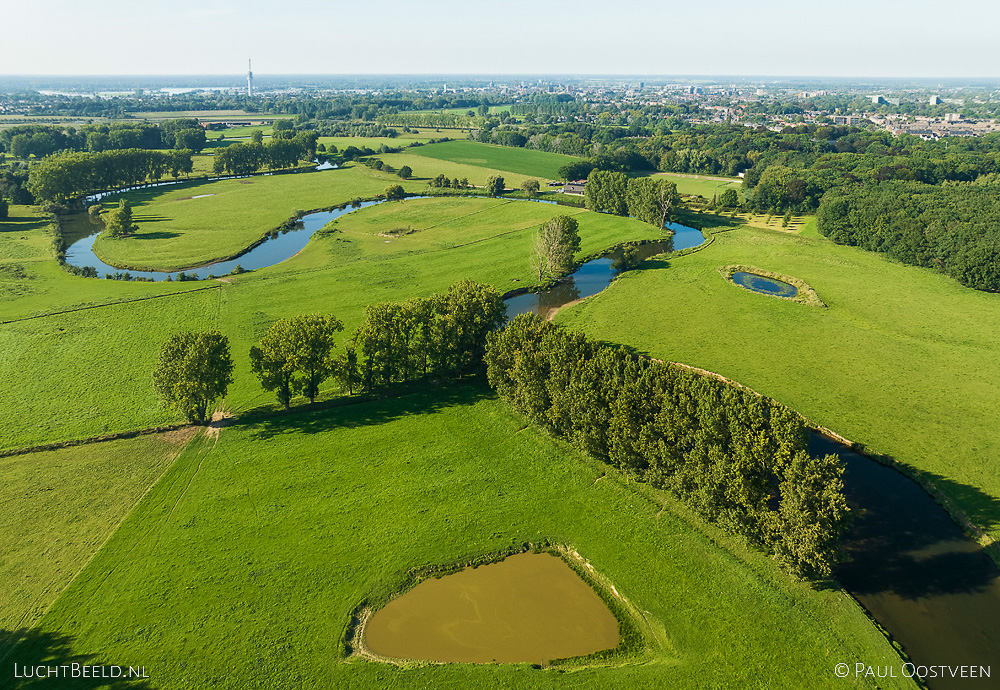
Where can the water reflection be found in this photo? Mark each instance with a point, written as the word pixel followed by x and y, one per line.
pixel 928 584
pixel 594 276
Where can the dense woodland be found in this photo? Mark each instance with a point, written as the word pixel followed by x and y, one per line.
pixel 952 227
pixel 736 457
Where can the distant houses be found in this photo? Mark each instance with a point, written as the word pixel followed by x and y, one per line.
pixel 575 187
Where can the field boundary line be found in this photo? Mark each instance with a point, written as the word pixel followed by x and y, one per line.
pixel 56 445
pixel 109 304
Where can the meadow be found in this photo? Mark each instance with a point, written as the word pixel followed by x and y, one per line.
pixel 177 231
pixel 46 361
pixel 529 162
pixel 902 359
pixel 58 507
pixel 243 564
pixel 404 139
pixel 706 186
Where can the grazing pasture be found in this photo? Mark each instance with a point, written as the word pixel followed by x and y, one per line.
pixel 527 162
pixel 247 559
pixel 902 359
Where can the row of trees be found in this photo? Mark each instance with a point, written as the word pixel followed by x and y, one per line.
pixel 954 228
pixel 43 140
pixel 648 199
pixel 443 335
pixel 738 458
pixel 70 174
pixel 248 158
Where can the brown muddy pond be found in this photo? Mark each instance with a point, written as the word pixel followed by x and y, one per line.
pixel 528 608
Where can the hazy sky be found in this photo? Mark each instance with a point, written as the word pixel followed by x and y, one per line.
pixel 757 37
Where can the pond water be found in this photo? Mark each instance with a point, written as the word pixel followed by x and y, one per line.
pixel 913 568
pixel 529 608
pixel 766 286
pixel 593 276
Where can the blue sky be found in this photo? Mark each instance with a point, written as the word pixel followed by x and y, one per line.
pixel 762 37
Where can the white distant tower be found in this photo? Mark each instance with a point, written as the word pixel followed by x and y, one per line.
pixel 249 80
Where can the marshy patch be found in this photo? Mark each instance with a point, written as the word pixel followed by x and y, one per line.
pixel 771 284
pixel 531 607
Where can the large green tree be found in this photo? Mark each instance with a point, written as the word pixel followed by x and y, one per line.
pixel 494 186
pixel 296 355
pixel 118 221
pixel 556 243
pixel 194 370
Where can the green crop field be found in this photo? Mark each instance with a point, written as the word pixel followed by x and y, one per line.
pixel 243 564
pixel 425 169
pixel 58 507
pixel 341 272
pixel 528 162
pixel 903 359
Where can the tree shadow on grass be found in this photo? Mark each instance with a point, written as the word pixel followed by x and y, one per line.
pixel 22 224
pixel 160 235
pixel 38 660
pixel 346 414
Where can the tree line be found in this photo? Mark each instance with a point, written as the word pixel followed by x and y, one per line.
pixel 39 140
pixel 650 200
pixel 70 174
pixel 250 157
pixel 442 336
pixel 954 228
pixel 739 459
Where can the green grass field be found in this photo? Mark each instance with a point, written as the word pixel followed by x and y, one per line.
pixel 404 139
pixel 528 162
pixel 701 185
pixel 425 169
pixel 58 507
pixel 177 232
pixel 42 360
pixel 242 565
pixel 903 359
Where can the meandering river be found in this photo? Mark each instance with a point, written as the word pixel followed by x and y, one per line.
pixel 931 587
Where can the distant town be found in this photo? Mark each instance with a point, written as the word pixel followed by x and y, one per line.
pixel 925 110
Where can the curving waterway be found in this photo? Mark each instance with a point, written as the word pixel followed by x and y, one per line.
pixel 590 279
pixel 593 276
pixel 929 585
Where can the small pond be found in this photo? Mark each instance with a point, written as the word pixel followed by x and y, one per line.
pixel 765 286
pixel 593 276
pixel 528 608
